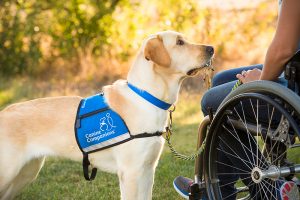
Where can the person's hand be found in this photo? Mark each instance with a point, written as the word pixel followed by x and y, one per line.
pixel 250 75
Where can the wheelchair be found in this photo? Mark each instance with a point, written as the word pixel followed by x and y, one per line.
pixel 258 127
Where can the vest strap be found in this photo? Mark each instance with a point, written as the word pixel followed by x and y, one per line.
pixel 143 135
pixel 85 165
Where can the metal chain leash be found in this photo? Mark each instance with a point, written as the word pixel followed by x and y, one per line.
pixel 173 150
pixel 169 133
pixel 237 84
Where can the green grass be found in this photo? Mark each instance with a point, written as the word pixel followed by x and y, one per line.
pixel 63 179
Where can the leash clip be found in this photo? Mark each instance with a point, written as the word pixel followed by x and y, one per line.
pixel 172 108
pixel 169 127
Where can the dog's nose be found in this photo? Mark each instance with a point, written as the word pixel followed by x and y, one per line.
pixel 210 50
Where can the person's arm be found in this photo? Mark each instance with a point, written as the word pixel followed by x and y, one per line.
pixel 285 41
pixel 283 46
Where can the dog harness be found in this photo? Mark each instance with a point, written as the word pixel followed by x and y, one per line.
pixel 98 127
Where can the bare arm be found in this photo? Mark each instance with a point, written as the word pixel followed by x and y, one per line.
pixel 285 41
pixel 283 46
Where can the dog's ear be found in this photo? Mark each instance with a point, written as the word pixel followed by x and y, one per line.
pixel 156 51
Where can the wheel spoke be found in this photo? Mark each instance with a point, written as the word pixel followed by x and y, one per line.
pixel 243 145
pixel 234 173
pixel 233 182
pixel 271 192
pixel 249 167
pixel 257 191
pixel 252 109
pixel 269 125
pixel 280 156
pixel 235 192
pixel 249 136
pixel 245 125
pixel 257 132
pixel 238 138
pixel 275 183
pixel 231 166
pixel 264 186
pixel 236 155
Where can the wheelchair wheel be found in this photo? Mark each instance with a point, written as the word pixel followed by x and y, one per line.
pixel 253 143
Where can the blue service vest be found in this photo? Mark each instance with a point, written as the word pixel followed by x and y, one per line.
pixel 97 126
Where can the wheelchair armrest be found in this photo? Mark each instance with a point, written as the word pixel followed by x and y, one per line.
pixel 296 57
pixel 292 69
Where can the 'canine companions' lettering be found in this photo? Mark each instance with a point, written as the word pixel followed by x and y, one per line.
pixel 93 136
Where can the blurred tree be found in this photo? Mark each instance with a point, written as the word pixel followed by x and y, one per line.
pixel 19 43
pixel 73 26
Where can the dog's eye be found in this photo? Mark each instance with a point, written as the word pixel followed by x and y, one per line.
pixel 180 42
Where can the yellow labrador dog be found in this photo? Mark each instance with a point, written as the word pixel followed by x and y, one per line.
pixel 32 130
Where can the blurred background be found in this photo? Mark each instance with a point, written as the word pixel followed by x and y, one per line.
pixel 74 47
pixel 50 48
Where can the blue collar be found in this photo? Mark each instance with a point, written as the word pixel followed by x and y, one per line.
pixel 149 97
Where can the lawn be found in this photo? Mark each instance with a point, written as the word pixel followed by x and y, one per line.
pixel 63 179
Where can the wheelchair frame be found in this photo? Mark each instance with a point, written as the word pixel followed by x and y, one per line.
pixel 292 74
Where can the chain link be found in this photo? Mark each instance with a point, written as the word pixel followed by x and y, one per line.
pixel 237 84
pixel 169 134
pixel 173 150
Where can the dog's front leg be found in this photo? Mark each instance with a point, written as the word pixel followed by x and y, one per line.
pixel 137 184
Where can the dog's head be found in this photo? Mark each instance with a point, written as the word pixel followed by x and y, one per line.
pixel 172 51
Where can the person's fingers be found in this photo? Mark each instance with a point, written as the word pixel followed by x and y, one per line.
pixel 240 77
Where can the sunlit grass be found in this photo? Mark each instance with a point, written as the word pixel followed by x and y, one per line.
pixel 16 90
pixel 6 97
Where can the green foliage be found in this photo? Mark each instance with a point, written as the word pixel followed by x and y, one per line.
pixel 71 26
pixel 81 23
pixel 18 39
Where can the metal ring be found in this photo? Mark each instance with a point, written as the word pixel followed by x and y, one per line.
pixel 172 108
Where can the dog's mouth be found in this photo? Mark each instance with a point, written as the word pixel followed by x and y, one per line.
pixel 195 70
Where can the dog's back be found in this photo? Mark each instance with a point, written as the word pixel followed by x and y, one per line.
pixel 24 127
